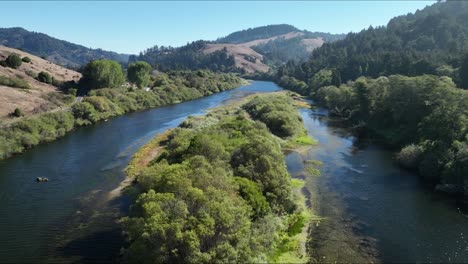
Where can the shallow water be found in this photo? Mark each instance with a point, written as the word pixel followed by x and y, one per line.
pixel 375 210
pixel 36 218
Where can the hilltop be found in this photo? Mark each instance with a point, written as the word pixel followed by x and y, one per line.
pixel 251 50
pixel 37 96
pixel 58 51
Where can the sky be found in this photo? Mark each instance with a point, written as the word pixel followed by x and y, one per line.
pixel 133 26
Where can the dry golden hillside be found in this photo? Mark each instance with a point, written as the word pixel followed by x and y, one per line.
pixel 250 60
pixel 35 99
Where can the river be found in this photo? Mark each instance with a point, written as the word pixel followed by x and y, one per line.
pixel 62 220
pixel 373 210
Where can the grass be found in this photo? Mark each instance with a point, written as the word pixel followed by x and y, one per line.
pixel 14 82
pixel 145 154
pixel 305 140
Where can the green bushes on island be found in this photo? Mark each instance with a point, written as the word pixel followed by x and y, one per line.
pixel 108 102
pixel 218 191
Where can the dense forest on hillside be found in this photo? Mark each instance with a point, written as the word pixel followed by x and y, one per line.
pixel 57 51
pixel 186 57
pixel 219 191
pixel 430 41
pixel 103 103
pixel 425 113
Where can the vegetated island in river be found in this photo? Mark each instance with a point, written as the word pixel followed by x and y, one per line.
pixel 217 188
pixel 103 103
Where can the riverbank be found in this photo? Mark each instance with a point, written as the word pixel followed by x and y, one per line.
pixel 103 104
pixel 231 129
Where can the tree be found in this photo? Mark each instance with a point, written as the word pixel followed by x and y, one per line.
pixel 139 73
pixel 13 61
pixel 464 72
pixel 101 74
pixel 26 59
pixel 45 77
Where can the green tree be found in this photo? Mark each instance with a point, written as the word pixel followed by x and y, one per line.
pixel 139 73
pixel 463 73
pixel 13 61
pixel 102 73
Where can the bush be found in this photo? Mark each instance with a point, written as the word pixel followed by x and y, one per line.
pixel 13 61
pixel 45 77
pixel 410 156
pixel 17 113
pixel 14 82
pixel 26 59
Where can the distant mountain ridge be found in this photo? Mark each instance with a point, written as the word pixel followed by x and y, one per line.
pixel 58 51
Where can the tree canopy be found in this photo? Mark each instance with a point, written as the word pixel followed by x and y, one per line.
pixel 102 74
pixel 139 73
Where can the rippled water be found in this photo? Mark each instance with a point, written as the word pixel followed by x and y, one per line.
pixel 82 167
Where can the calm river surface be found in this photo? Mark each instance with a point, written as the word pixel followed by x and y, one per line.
pixel 82 166
pixel 373 210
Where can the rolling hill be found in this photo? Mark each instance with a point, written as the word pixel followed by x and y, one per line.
pixel 36 96
pixel 55 50
pixel 252 50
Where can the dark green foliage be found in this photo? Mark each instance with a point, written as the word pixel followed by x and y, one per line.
pixel 463 72
pixel 139 73
pixel 42 45
pixel 17 113
pixel 13 61
pixel 45 77
pixel 102 74
pixel 14 82
pixel 412 45
pixel 217 194
pixel 427 114
pixel 26 59
pixel 188 57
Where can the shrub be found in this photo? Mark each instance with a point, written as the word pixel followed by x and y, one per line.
pixel 26 59
pixel 410 156
pixel 45 77
pixel 17 113
pixel 13 61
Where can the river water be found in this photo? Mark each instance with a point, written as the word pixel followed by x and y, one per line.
pixel 375 211
pixel 372 210
pixel 38 219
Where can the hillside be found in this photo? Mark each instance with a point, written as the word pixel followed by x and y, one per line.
pixel 39 96
pixel 430 41
pixel 55 50
pixel 249 51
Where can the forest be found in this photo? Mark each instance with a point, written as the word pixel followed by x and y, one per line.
pixel 58 51
pixel 402 83
pixel 218 189
pixel 430 41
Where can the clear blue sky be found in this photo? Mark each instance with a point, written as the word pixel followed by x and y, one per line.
pixel 129 27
